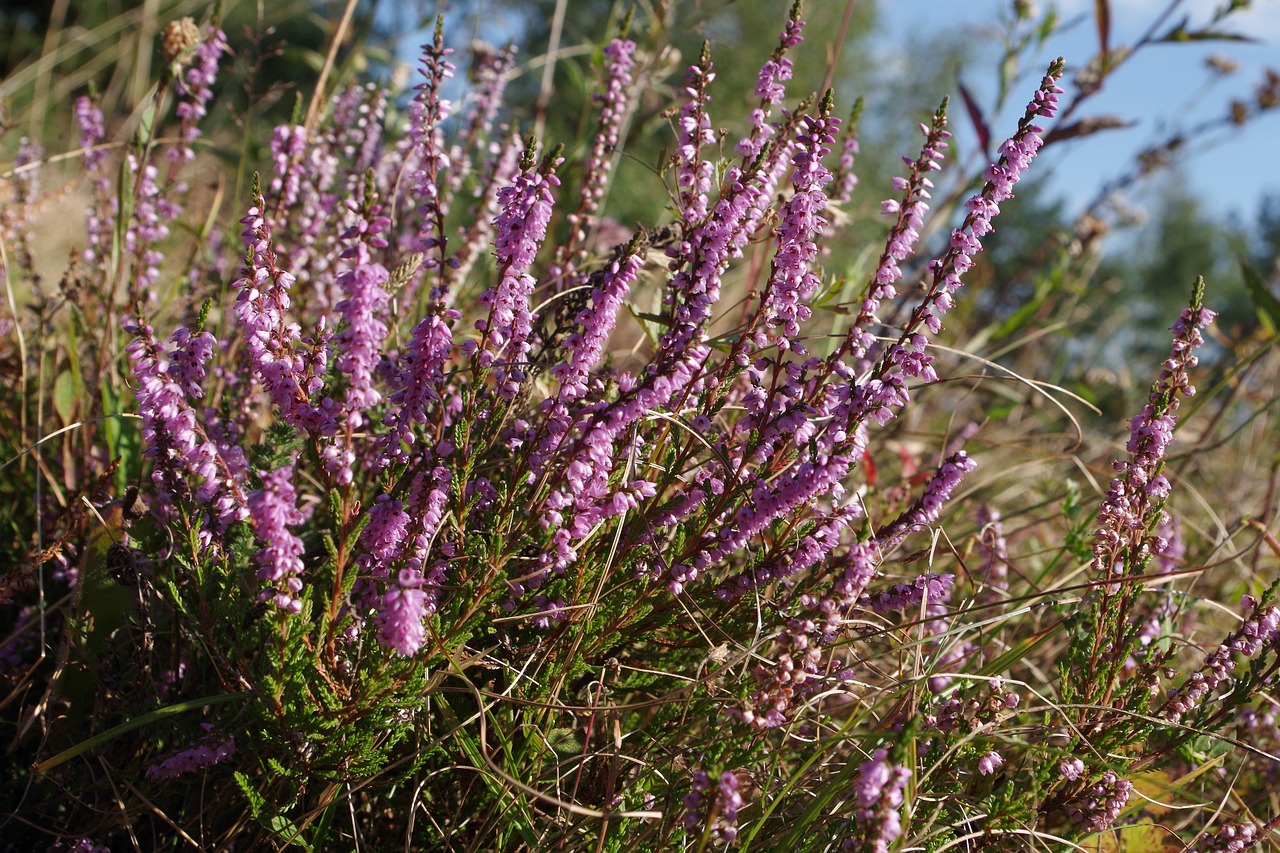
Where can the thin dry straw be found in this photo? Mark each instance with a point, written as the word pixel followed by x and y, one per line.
pixel 67 428
pixel 317 96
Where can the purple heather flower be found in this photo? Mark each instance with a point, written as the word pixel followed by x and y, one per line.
pixel 804 483
pixel 418 384
pixel 357 115
pixel 1260 628
pixel 274 510
pixel 862 565
pixel 152 210
pixel 696 799
pixel 927 595
pixel 900 244
pixel 795 674
pixel 722 795
pixel 596 323
pixel 990 763
pixel 877 396
pixel 762 179
pixel 1098 806
pixel 843 176
pixel 1071 768
pixel 693 171
pixel 1133 506
pixel 1016 154
pixel 187 362
pixel 290 375
pixel 304 189
pixel 359 344
pixel 400 615
pixel 92 132
pixel 812 548
pixel 210 750
pixel 383 536
pixel 288 149
pixel 428 113
pixel 548 612
pixel 878 796
pixel 194 89
pixel 25 185
pixel 521 228
pixel 730 803
pixel 928 507
pixel 698 263
pixel 398 542
pixel 969 713
pixel 1232 838
pixel 615 100
pixel 792 280
pixel 615 103
pixel 928 589
pixel 170 429
pixel 27 180
pixel 771 86
pixel 1259 727
pixel 170 680
pixel 79 845
pixel 428 498
pixel 883 389
pixel 100 214
pixel 584 348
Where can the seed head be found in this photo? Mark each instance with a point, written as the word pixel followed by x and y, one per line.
pixel 179 35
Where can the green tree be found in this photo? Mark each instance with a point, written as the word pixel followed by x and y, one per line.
pixel 1146 276
pixel 1265 254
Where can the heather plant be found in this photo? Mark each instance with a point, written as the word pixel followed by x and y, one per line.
pixel 423 505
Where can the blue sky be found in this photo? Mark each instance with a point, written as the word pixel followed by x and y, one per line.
pixel 1162 87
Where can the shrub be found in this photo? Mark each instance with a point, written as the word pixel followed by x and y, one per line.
pixel 452 520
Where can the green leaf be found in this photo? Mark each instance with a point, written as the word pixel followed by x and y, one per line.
pixel 313 59
pixel 170 591
pixel 1266 304
pixel 73 352
pixel 136 723
pixel 146 122
pixel 288 832
pixel 320 835
pixel 564 741
pixel 65 392
pixel 1048 25
pixel 256 800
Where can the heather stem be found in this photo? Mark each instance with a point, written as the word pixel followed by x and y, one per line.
pixel 429 113
pixel 1132 512
pixel 693 171
pixel 615 105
